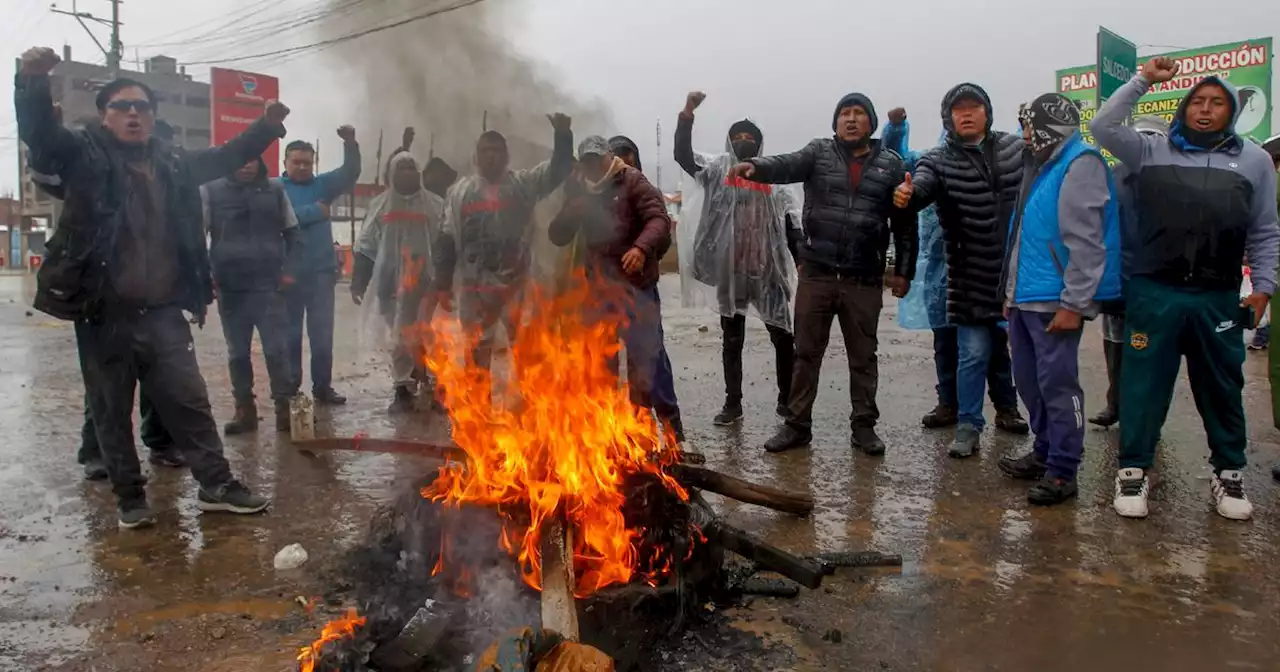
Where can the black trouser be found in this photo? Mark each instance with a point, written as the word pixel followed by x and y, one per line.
pixel 856 302
pixel 154 348
pixel 735 338
pixel 154 435
pixel 241 313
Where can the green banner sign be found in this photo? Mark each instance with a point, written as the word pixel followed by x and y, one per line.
pixel 1117 63
pixel 1246 65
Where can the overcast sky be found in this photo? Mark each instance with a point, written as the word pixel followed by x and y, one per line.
pixel 784 64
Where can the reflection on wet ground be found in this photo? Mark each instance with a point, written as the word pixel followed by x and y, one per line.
pixel 989 583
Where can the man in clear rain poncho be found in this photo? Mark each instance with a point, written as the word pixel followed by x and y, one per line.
pixel 737 242
pixel 393 268
pixel 488 234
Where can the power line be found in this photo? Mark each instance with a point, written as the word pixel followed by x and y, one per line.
pixel 343 38
pixel 254 35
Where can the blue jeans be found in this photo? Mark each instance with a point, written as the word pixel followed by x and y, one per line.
pixel 946 359
pixel 976 345
pixel 311 300
pixel 649 375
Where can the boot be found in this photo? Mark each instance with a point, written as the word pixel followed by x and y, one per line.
pixel 1010 420
pixel 284 422
pixel 1113 353
pixel 941 416
pixel 403 402
pixel 244 421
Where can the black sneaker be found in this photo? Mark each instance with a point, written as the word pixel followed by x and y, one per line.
pixel 1050 491
pixel 329 397
pixel 1106 418
pixel 95 470
pixel 232 497
pixel 167 458
pixel 788 438
pixel 866 440
pixel 966 443
pixel 941 416
pixel 1011 421
pixel 1029 467
pixel 134 514
pixel 731 413
pixel 403 402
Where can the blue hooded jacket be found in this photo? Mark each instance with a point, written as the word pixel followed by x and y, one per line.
pixel 317 229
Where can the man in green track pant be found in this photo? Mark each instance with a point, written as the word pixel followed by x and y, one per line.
pixel 1204 197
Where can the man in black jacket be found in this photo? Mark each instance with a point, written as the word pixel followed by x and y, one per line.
pixel 252 229
pixel 974 179
pixel 848 181
pixel 128 257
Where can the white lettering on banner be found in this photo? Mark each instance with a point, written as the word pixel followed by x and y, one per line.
pixel 236 120
pixel 1247 56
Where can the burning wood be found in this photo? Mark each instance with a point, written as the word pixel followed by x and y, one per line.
pixel 333 631
pixel 559 609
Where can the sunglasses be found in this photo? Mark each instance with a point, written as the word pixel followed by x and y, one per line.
pixel 142 106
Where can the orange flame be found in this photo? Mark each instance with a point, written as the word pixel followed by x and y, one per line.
pixel 332 632
pixel 565 448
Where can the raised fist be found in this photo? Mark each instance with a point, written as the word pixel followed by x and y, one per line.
pixel 561 122
pixel 276 112
pixel 406 139
pixel 38 61
pixel 347 133
pixel 694 100
pixel 1160 69
pixel 897 115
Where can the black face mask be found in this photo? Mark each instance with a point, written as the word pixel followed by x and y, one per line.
pixel 745 149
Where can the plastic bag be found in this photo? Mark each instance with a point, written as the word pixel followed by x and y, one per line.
pixel 925 305
pixel 292 556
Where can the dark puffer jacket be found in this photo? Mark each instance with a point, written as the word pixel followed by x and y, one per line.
pixel 976 190
pixel 847 231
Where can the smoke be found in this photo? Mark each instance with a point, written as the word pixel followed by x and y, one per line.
pixel 442 74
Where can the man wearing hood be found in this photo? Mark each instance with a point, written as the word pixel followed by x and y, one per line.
pixel 253 247
pixel 973 178
pixel 664 380
pixel 1063 260
pixel 849 216
pixel 488 229
pixel 1204 198
pixel 393 267
pixel 742 250
pixel 1114 337
pixel 622 221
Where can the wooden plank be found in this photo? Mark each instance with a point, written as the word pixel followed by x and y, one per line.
pixel 804 572
pixel 559 608
pixel 370 445
pixel 743 491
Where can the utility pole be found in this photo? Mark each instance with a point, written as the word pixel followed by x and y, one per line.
pixel 115 52
pixel 658 176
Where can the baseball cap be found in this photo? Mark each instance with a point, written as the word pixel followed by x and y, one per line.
pixel 593 144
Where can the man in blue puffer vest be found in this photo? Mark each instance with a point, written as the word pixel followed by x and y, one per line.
pixel 1062 260
pixel 311 298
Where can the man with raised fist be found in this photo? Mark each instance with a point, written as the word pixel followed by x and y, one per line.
pixel 1204 197
pixel 127 258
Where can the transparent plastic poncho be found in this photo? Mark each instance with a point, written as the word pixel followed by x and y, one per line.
pixel 398 233
pixel 732 244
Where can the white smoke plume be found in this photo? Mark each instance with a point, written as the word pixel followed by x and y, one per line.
pixel 442 74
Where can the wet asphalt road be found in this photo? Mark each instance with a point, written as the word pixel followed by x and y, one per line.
pixel 989 582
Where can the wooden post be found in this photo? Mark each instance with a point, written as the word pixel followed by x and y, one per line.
pixel 559 609
pixel 302 418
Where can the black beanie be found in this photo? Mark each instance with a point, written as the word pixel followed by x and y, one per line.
pixel 860 100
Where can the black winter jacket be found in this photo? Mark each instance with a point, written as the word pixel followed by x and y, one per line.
pixel 976 191
pixel 847 232
pixel 73 283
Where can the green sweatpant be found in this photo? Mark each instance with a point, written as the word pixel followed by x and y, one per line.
pixel 1164 323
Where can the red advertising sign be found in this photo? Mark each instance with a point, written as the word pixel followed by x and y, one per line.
pixel 238 100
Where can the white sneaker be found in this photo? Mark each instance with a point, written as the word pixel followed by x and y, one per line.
pixel 1228 494
pixel 1131 493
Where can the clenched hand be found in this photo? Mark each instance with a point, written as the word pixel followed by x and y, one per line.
pixel 900 286
pixel 902 195
pixel 1257 303
pixel 1064 320
pixel 633 261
